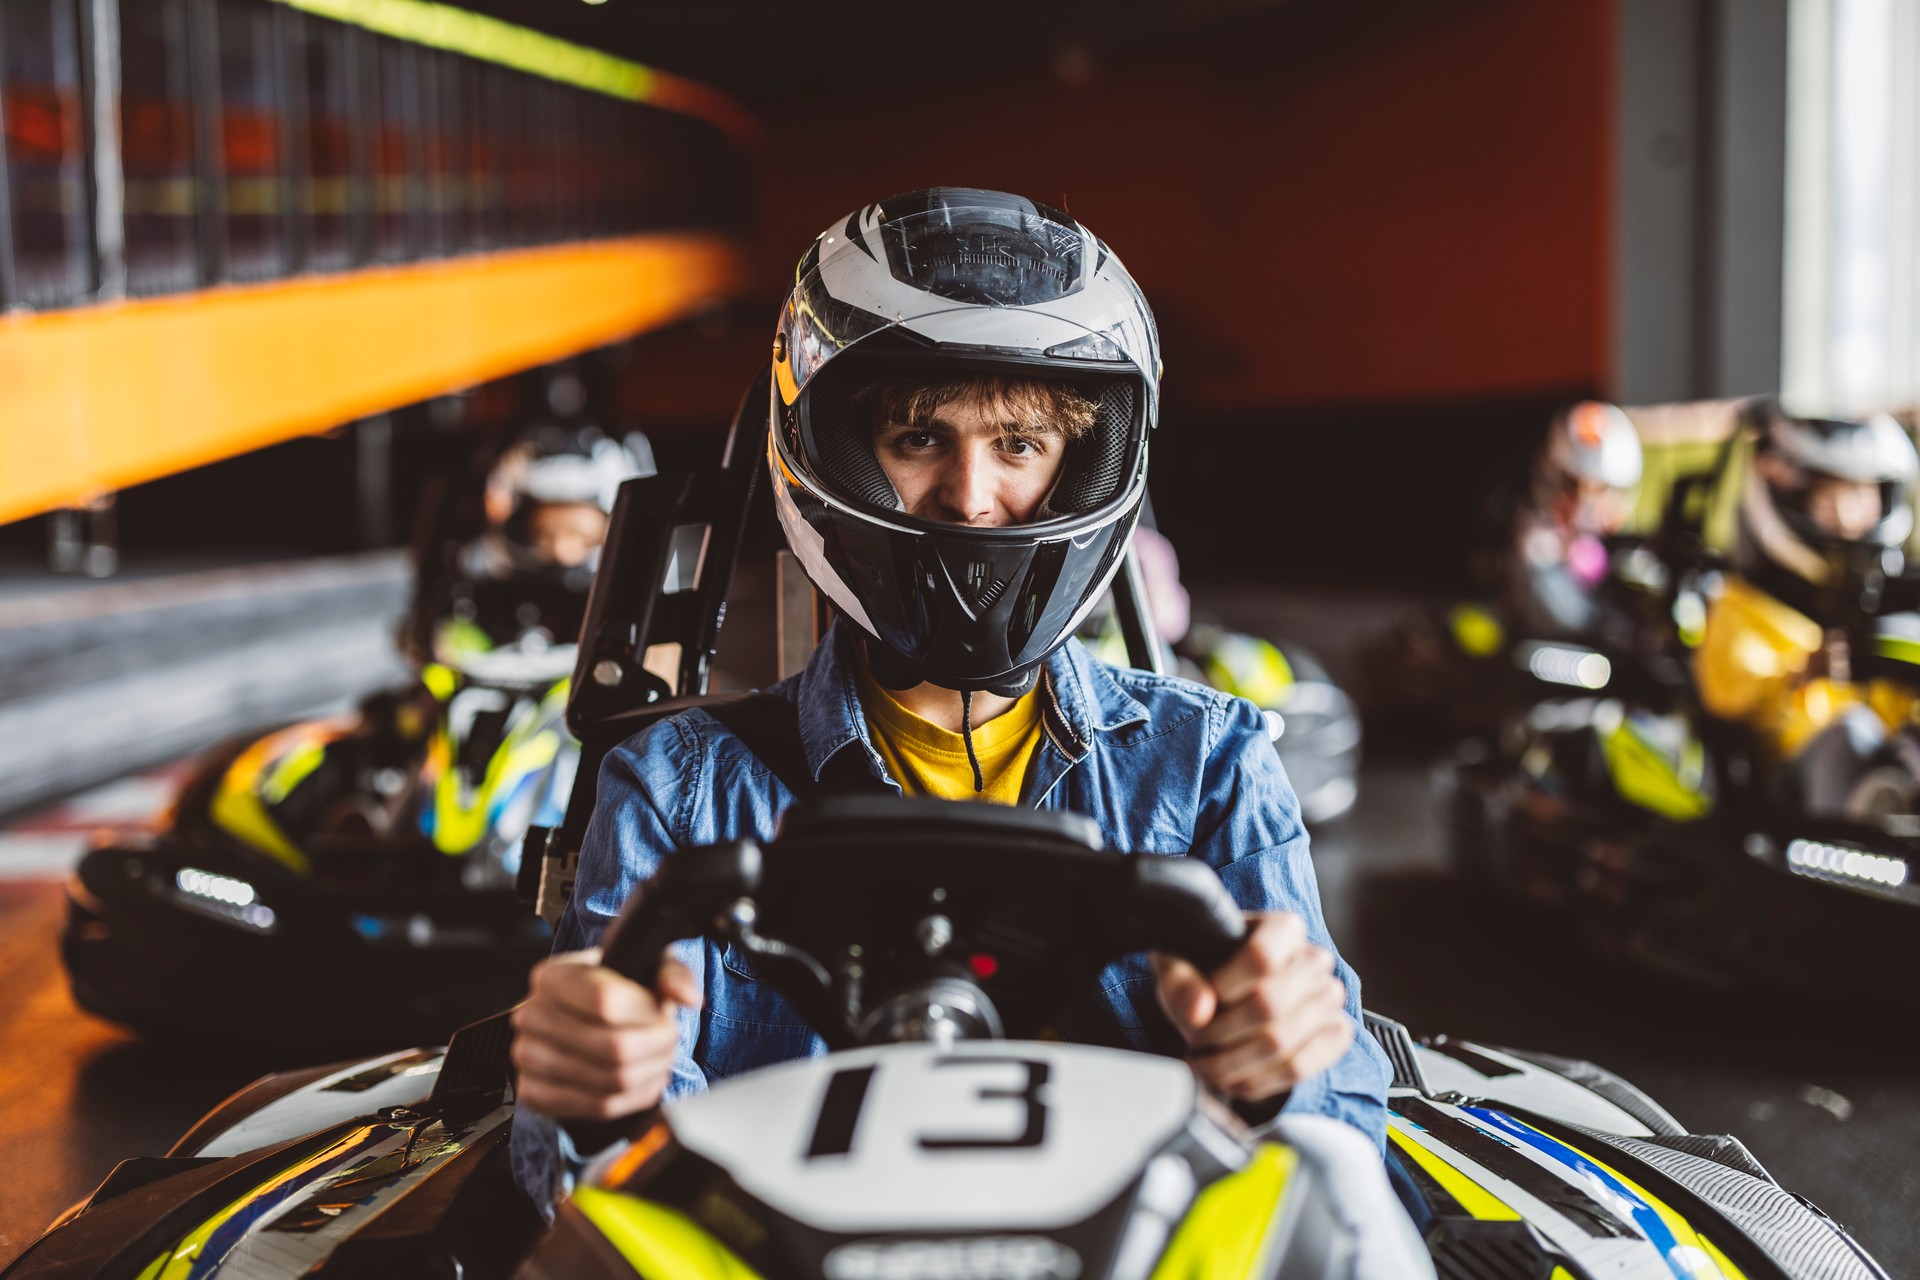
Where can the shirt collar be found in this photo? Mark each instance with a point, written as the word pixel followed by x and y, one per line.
pixel 1078 689
pixel 1091 700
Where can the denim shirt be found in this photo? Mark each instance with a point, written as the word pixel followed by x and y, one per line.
pixel 1164 765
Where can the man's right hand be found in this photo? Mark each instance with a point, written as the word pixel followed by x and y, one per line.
pixel 593 1045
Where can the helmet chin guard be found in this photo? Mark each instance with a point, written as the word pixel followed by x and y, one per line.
pixel 937 285
pixel 891 671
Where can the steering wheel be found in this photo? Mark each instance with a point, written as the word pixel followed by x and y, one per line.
pixel 885 919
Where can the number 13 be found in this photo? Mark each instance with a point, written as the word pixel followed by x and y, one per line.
pixel 847 1095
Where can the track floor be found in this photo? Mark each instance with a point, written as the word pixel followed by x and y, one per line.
pixel 77 1096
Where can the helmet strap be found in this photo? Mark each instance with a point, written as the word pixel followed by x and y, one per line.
pixel 966 736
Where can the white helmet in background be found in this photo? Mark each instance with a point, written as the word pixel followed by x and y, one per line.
pixel 555 468
pixel 1821 489
pixel 1587 472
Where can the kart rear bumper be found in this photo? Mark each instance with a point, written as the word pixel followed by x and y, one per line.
pixel 1714 900
pixel 316 968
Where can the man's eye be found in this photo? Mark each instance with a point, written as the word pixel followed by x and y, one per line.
pixel 1021 446
pixel 917 439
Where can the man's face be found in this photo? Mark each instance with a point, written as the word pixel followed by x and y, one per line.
pixel 970 463
pixel 1846 509
pixel 566 533
pixel 1592 508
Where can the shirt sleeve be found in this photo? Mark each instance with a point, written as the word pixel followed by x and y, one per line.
pixel 626 838
pixel 1249 830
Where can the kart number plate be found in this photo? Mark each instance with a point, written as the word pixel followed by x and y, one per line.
pixel 1008 1135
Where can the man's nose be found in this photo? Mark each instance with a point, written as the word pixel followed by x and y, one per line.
pixel 969 486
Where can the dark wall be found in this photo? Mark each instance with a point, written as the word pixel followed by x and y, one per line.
pixel 1376 238
pixel 1398 496
pixel 1346 203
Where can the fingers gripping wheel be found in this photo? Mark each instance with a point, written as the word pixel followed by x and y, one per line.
pixel 700 892
pixel 882 919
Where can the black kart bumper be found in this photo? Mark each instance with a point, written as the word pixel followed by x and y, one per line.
pixel 310 961
pixel 1722 901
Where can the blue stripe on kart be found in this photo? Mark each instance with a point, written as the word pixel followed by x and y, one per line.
pixel 213 1254
pixel 1645 1216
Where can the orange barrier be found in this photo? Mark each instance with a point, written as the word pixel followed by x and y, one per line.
pixel 99 398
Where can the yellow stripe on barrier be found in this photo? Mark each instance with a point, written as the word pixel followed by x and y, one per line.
pixel 1898 648
pixel 97 399
pixel 1645 778
pixel 475 35
pixel 238 808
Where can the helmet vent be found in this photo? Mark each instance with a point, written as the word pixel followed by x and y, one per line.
pixel 845 444
pixel 982 586
pixel 1096 465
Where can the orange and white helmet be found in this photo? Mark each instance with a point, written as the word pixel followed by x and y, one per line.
pixel 1587 472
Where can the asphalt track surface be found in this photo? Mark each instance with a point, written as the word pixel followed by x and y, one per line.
pixel 1828 1099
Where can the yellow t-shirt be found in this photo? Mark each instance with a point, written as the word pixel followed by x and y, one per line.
pixel 927 760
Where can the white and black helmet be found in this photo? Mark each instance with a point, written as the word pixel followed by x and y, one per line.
pixel 565 465
pixel 958 281
pixel 557 465
pixel 1775 523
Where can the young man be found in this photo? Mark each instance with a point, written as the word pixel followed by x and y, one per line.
pixel 965 388
pixel 1824 516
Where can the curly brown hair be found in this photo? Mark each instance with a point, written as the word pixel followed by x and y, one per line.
pixel 1028 406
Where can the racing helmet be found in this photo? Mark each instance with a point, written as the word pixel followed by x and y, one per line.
pixel 1589 467
pixel 560 466
pixel 1793 523
pixel 957 282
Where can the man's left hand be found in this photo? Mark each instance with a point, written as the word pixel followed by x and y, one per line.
pixel 1272 1016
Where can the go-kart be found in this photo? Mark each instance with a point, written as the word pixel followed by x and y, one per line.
pixel 1312 721
pixel 365 861
pixel 1677 841
pixel 930 945
pixel 1655 825
pixel 1465 667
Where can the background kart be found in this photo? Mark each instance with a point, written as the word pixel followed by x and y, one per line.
pixel 1467 667
pixel 1677 865
pixel 1671 838
pixel 346 883
pixel 1314 723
